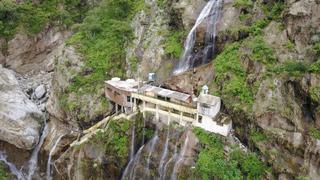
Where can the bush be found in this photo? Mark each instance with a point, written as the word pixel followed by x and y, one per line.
pixel 257 136
pixel 315 67
pixel 243 3
pixel 231 76
pixel 314 133
pixel 3 173
pixel 259 50
pixel 212 161
pixel 315 93
pixel 32 17
pixel 292 68
pixel 174 44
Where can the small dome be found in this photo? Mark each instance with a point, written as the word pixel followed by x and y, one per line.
pixel 115 79
pixel 205 87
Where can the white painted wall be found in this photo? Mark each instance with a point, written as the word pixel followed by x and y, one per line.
pixel 212 126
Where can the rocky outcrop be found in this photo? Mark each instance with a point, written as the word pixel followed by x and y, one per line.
pixel 78 110
pixel 20 118
pixel 25 54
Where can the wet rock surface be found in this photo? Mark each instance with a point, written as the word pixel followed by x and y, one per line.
pixel 21 119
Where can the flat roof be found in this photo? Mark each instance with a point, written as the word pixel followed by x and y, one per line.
pixel 208 99
pixel 165 92
pixel 129 85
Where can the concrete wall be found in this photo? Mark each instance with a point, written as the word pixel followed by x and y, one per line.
pixel 212 126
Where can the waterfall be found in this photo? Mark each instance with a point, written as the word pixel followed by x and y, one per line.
pixel 175 155
pixel 143 131
pixel 181 157
pixel 33 162
pixel 50 157
pixel 210 15
pixel 130 167
pixel 152 147
pixel 12 167
pixel 164 155
pixel 132 141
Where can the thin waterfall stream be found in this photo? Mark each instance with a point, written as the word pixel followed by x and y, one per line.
pixel 164 154
pixel 153 145
pixel 49 164
pixel 181 157
pixel 33 162
pixel 209 15
pixel 13 169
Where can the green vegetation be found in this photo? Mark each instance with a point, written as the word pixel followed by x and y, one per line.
pixel 231 75
pixel 259 50
pixel 316 48
pixel 243 3
pixel 274 10
pixel 291 67
pixel 174 44
pixel 315 93
pixel 213 162
pixel 3 174
pixel 162 3
pixel 249 164
pixel 32 17
pixel 101 39
pixel 314 132
pixel 114 140
pixel 315 67
pixel 257 136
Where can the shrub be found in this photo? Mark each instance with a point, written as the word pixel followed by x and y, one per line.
pixel 3 174
pixel 292 67
pixel 231 75
pixel 314 133
pixel 315 67
pixel 243 3
pixel 174 44
pixel 315 93
pixel 257 136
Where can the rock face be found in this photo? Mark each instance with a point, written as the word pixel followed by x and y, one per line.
pixel 20 118
pixel 26 54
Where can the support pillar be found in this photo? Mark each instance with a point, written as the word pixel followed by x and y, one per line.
pixel 122 109
pixel 144 106
pixel 197 118
pixel 180 121
pixel 116 108
pixel 157 112
pixel 169 118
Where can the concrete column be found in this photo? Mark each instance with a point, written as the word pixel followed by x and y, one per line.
pixel 169 118
pixel 181 115
pixel 157 112
pixel 143 110
pixel 197 118
pixel 122 109
pixel 116 108
pixel 131 103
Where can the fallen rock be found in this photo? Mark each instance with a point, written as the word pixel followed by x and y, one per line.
pixel 40 92
pixel 19 117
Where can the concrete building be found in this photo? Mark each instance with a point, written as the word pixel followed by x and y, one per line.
pixel 167 105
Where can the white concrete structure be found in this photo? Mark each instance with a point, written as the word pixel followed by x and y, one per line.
pixel 169 106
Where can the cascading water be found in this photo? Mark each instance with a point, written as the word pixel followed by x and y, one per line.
pixel 33 162
pixel 164 155
pixel 50 157
pixel 13 169
pixel 133 130
pixel 181 157
pixel 210 15
pixel 153 145
pixel 173 158
pixel 130 167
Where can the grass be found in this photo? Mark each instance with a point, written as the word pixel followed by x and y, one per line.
pixel 243 3
pixel 315 93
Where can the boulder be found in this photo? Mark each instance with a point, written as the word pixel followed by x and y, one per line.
pixel 40 92
pixel 19 117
